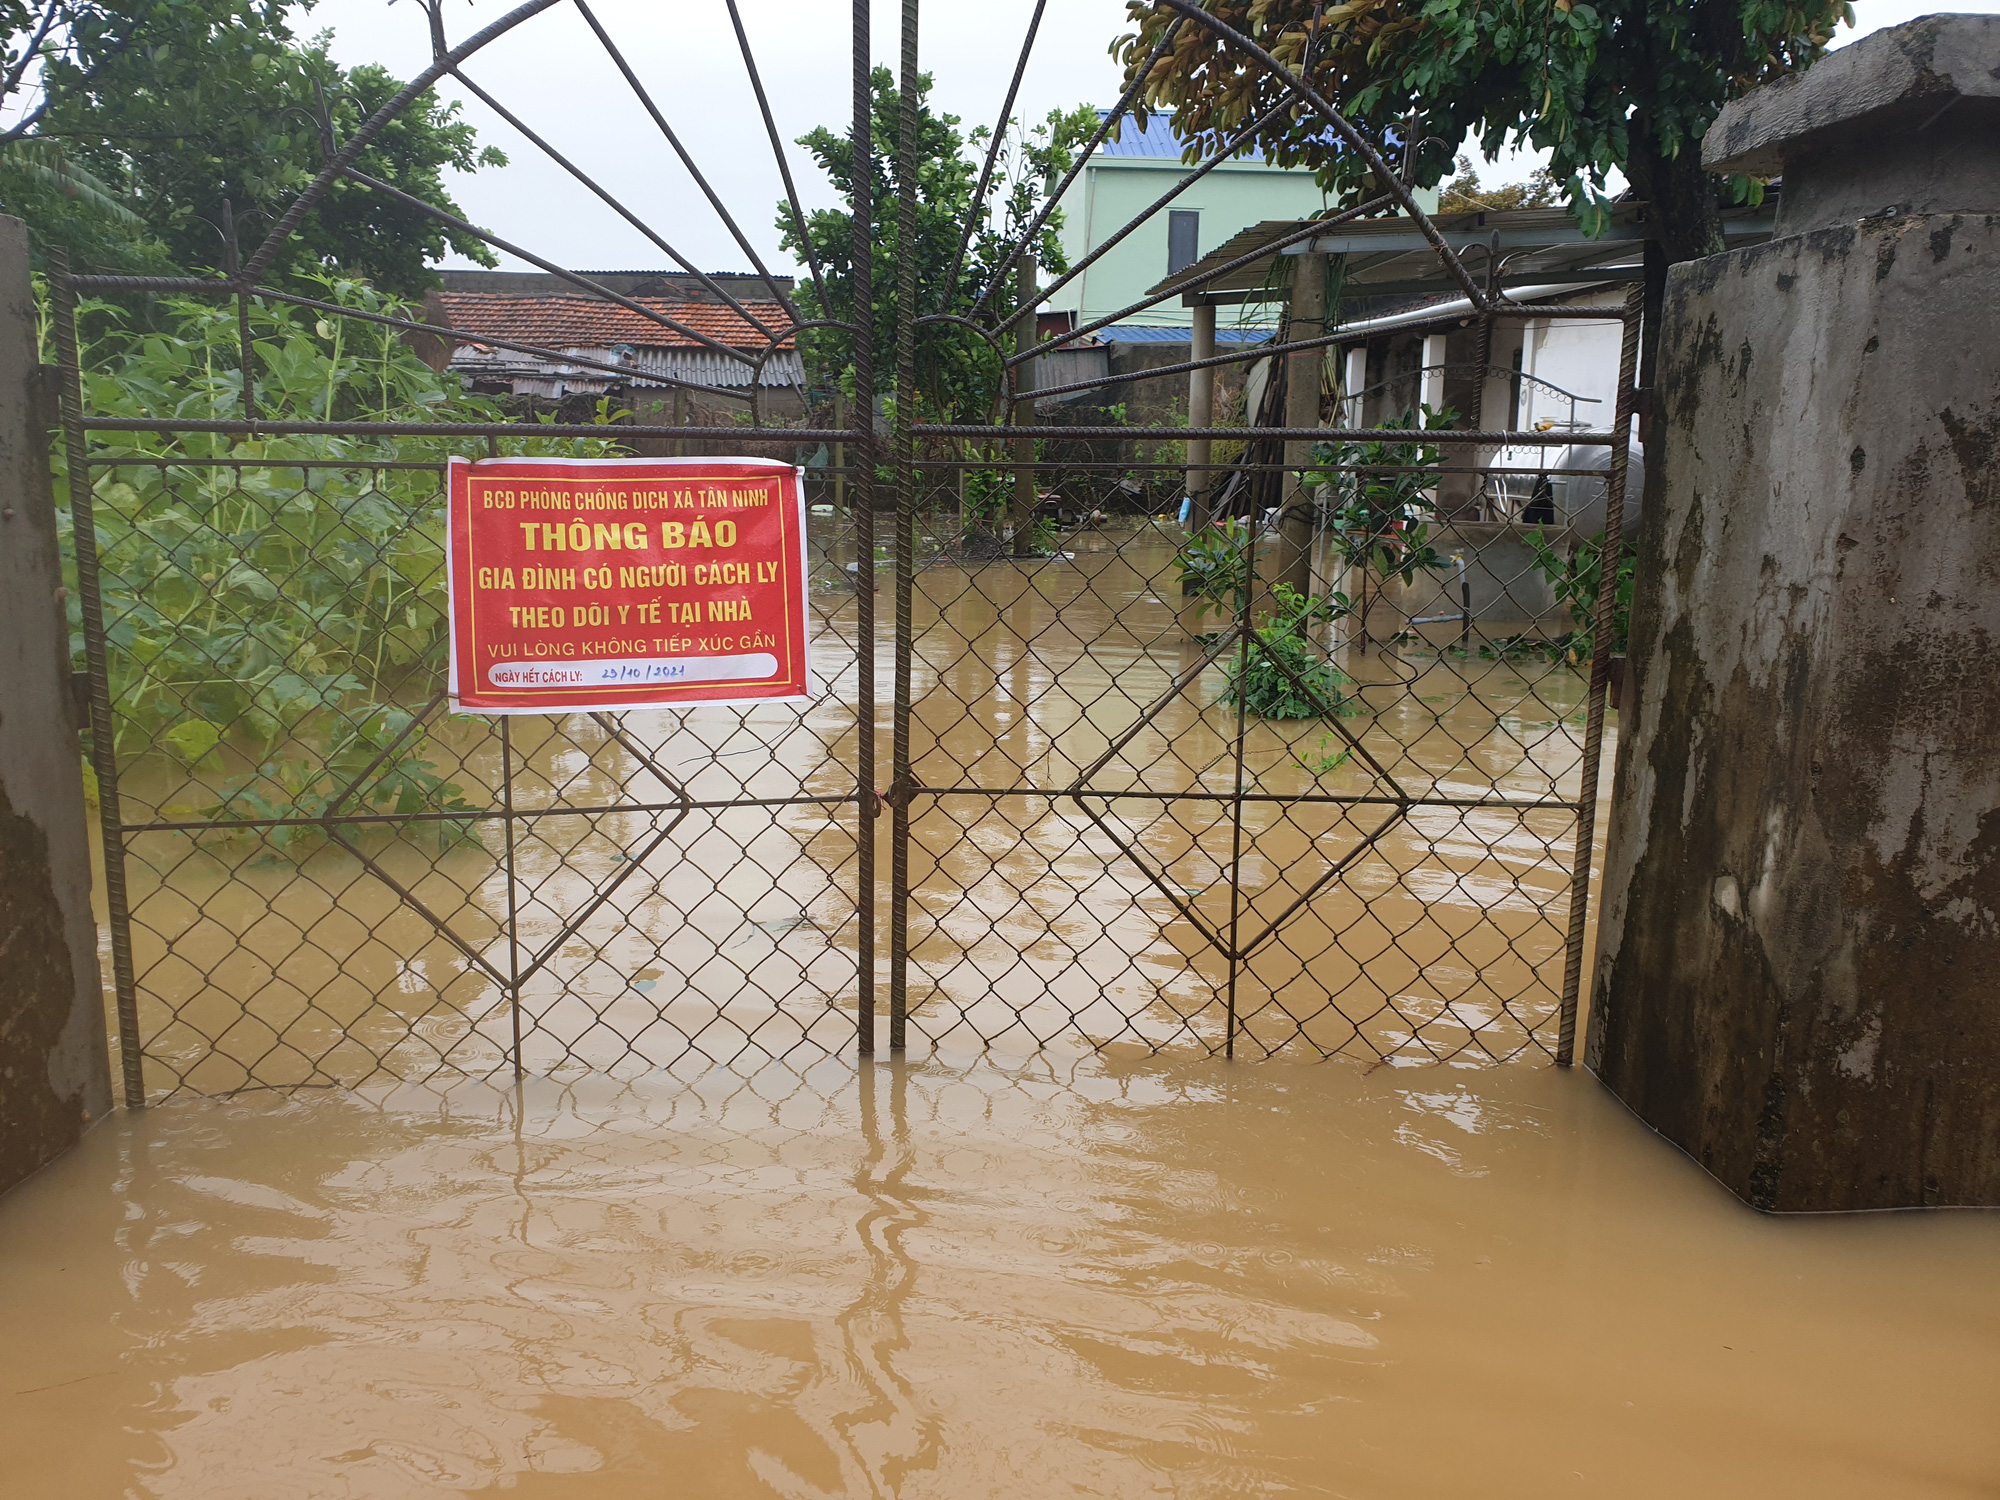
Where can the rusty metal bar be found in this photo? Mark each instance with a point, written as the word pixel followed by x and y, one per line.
pixel 167 427
pixel 1610 556
pixel 977 215
pixel 611 201
pixel 1246 636
pixel 1356 141
pixel 195 287
pixel 721 210
pixel 1180 288
pixel 778 151
pixel 1112 117
pixel 906 531
pixel 1132 225
pixel 374 125
pixel 1284 434
pixel 597 288
pixel 513 907
pixel 867 801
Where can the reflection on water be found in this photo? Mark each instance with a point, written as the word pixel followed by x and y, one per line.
pixel 1075 1277
pixel 1078 864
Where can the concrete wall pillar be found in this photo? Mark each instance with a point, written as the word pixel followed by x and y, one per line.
pixel 1201 412
pixel 1798 977
pixel 1302 387
pixel 54 1066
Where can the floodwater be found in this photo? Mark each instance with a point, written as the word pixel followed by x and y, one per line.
pixel 1077 865
pixel 1093 1276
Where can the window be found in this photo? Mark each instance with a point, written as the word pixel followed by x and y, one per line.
pixel 1183 240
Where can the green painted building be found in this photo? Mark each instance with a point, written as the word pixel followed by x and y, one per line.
pixel 1129 174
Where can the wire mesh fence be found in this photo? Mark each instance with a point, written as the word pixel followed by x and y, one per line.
pixel 1112 741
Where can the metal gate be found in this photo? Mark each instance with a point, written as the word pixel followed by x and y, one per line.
pixel 1038 796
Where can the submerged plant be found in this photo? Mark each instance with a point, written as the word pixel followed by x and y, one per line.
pixel 1577 577
pixel 1214 566
pixel 1281 672
pixel 1381 498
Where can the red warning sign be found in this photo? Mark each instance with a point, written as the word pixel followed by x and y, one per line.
pixel 614 583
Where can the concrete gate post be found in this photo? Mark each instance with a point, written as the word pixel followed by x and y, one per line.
pixel 54 1068
pixel 1798 977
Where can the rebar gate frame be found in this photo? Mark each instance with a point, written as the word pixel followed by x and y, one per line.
pixel 511 958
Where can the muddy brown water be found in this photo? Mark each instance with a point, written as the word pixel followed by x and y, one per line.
pixel 1033 915
pixel 669 1265
pixel 1094 1276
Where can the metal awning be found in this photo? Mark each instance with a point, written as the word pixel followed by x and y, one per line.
pixel 1389 257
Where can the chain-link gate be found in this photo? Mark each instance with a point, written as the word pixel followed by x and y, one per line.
pixel 1262 781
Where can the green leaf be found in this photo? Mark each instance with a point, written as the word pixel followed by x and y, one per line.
pixel 194 740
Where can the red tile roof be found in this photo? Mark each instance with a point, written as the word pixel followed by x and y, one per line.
pixel 585 322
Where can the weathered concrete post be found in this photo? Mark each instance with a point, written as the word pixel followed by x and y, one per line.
pixel 1302 389
pixel 1798 977
pixel 54 1071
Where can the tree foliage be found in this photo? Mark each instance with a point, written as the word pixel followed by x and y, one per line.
pixel 957 370
pixel 167 109
pixel 1463 191
pixel 1599 85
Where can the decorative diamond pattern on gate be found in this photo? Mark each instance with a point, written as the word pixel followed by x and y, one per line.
pixel 1312 774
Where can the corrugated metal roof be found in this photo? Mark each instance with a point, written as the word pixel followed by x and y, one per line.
pixel 1389 256
pixel 693 365
pixel 1156 140
pixel 585 322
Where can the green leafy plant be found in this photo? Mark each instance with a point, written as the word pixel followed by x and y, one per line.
pixel 271 601
pixel 957 370
pixel 1382 516
pixel 1214 569
pixel 1280 673
pixel 1044 533
pixel 1577 577
pixel 1324 760
pixel 189 105
pixel 353 775
pixel 1600 85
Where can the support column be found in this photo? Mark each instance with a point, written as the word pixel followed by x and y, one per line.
pixel 1799 941
pixel 1021 515
pixel 55 1074
pixel 1302 383
pixel 1201 413
pixel 1353 381
pixel 1430 389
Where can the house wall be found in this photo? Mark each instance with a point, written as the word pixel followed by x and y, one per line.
pixel 1579 357
pixel 1112 192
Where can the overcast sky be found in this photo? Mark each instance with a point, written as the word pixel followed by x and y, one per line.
pixel 554 75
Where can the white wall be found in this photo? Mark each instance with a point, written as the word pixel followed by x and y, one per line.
pixel 1578 356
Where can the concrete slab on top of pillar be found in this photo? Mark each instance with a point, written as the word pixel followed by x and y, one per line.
pixel 1903 120
pixel 1798 975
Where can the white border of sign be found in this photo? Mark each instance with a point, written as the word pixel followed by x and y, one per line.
pixel 813 685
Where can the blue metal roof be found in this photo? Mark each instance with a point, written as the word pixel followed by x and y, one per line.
pixel 1134 333
pixel 1157 140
